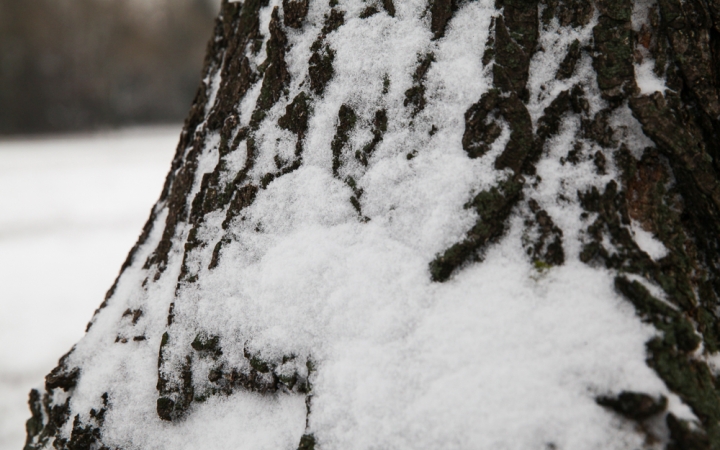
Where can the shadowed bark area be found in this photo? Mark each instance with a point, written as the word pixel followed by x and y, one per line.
pixel 670 189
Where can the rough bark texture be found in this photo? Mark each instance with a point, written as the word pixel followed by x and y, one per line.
pixel 683 124
pixel 672 189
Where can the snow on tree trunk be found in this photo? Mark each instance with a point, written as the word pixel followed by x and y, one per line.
pixel 399 224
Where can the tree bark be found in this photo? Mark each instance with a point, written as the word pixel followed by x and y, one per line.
pixel 564 74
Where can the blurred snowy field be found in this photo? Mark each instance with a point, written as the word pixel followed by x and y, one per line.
pixel 70 210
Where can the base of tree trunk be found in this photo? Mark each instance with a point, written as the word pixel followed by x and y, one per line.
pixel 443 225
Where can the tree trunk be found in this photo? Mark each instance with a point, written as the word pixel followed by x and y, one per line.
pixel 406 225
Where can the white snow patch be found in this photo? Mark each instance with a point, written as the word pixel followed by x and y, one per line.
pixel 647 81
pixel 648 242
pixel 212 84
pixel 554 42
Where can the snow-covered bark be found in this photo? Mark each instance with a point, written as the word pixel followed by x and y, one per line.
pixel 454 224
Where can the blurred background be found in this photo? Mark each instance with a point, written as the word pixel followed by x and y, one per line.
pixel 73 65
pixel 92 98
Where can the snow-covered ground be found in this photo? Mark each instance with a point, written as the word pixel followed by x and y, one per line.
pixel 70 210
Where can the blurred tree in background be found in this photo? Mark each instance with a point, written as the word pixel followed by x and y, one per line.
pixel 71 65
